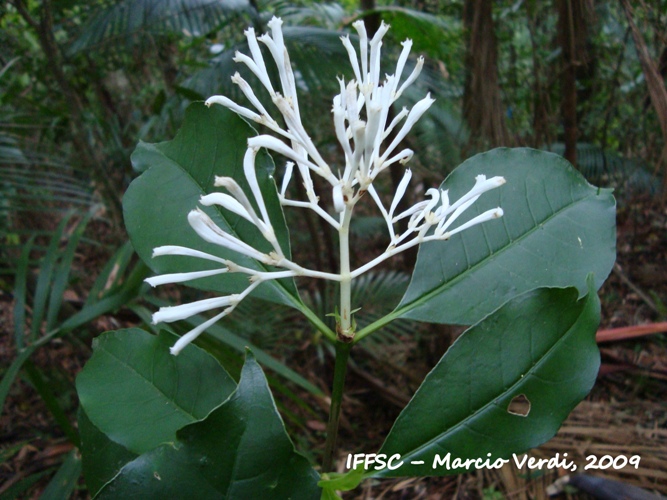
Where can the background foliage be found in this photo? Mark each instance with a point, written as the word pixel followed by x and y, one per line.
pixel 82 82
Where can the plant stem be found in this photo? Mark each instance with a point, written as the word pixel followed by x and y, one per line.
pixel 344 327
pixel 344 333
pixel 340 368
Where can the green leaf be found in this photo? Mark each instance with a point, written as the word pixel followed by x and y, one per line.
pixel 20 292
pixel 437 36
pixel 22 488
pixel 556 229
pixel 102 458
pixel 63 483
pixel 62 270
pixel 241 450
pixel 212 142
pixel 45 281
pixel 539 350
pixel 139 395
pixel 334 481
pixel 46 390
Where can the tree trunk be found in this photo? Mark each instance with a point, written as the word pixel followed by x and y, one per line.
pixel 567 41
pixel 541 103
pixel 483 110
pixel 574 18
pixel 655 83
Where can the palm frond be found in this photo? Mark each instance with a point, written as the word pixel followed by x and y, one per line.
pixel 33 186
pixel 316 53
pixel 437 36
pixel 128 19
pixel 325 15
pixel 606 168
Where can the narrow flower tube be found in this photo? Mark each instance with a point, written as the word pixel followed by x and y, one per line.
pixel 231 105
pixel 415 114
pixel 341 135
pixel 255 51
pixel 228 202
pixel 482 185
pixel 250 95
pixel 209 231
pixel 417 207
pixel 363 47
pixel 397 119
pixel 413 76
pixel 165 279
pixel 232 186
pixel 402 157
pixel 494 213
pixel 400 191
pixel 402 59
pixel 251 177
pixel 184 311
pixel 196 332
pixel 289 167
pixel 252 66
pixel 446 221
pixel 376 45
pixel 353 57
pixel 186 252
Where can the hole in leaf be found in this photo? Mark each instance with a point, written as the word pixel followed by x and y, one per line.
pixel 520 405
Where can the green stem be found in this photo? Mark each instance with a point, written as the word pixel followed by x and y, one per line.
pixel 340 368
pixel 345 332
pixel 376 325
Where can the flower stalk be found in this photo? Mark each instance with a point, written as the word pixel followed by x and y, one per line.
pixel 340 369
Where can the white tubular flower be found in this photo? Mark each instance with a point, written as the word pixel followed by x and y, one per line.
pixel 338 198
pixel 209 231
pixel 423 217
pixel 176 313
pixel 361 125
pixel 360 115
pixel 196 332
pixel 494 213
pixel 289 168
pixel 251 177
pixel 400 191
pixel 231 204
pixel 228 103
pixel 165 279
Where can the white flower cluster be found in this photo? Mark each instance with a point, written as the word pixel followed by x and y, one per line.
pixel 360 114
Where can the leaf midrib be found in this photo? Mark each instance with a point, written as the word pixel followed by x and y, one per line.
pixel 448 284
pixel 483 408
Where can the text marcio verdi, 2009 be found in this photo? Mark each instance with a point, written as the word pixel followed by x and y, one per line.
pixel 373 461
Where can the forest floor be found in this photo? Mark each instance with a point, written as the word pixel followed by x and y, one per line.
pixel 624 415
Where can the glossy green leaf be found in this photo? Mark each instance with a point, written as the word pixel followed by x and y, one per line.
pixel 211 142
pixel 139 395
pixel 241 450
pixel 556 229
pixel 538 349
pixel 102 458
